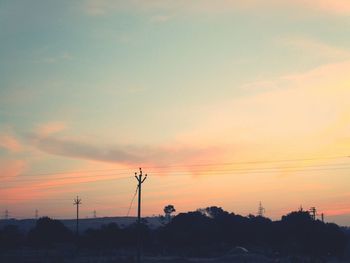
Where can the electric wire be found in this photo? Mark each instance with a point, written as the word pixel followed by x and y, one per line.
pixel 192 165
pixel 132 201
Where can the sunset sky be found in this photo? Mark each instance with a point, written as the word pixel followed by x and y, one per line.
pixel 225 102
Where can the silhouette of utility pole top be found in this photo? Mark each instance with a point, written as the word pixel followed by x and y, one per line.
pixel 140 179
pixel 77 202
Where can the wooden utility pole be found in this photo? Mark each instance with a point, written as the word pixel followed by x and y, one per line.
pixel 77 202
pixel 140 179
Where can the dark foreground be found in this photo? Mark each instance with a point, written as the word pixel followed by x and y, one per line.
pixel 205 235
pixel 31 256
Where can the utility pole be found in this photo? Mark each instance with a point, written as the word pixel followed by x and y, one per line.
pixel 313 212
pixel 36 214
pixel 322 217
pixel 140 179
pixel 261 210
pixel 77 202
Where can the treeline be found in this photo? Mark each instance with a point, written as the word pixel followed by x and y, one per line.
pixel 205 232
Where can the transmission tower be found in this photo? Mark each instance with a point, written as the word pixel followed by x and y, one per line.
pixel 77 202
pixel 261 210
pixel 313 212
pixel 94 213
pixel 140 179
pixel 322 217
pixel 301 209
pixel 36 214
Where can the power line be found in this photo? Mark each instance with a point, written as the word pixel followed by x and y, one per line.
pixel 132 201
pixel 193 165
pixel 330 166
pixel 21 179
pixel 184 173
pixel 53 185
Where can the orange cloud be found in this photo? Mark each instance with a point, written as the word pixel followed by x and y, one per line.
pixel 48 186
pixel 337 6
pixel 51 128
pixel 302 115
pixel 10 168
pixel 10 143
pixel 130 155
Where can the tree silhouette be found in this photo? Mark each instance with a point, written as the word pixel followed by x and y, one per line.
pixel 168 210
pixel 210 231
pixel 10 237
pixel 47 232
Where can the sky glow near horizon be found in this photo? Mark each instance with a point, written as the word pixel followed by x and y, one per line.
pixel 207 96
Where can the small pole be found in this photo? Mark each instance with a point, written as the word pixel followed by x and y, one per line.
pixel 140 179
pixel 77 202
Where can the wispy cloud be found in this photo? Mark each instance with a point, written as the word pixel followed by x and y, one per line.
pixel 10 143
pixel 314 47
pixel 161 18
pixel 302 114
pixel 55 59
pixel 123 154
pixel 341 7
pixel 50 128
pixel 11 168
pixel 101 7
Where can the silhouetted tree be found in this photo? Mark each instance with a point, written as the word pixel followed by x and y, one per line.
pixel 47 232
pixel 296 233
pixel 206 232
pixel 168 210
pixel 108 236
pixel 10 237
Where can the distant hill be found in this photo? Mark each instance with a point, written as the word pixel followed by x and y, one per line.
pixel 26 224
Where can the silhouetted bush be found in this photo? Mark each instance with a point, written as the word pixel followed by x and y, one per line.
pixel 48 232
pixel 296 233
pixel 206 232
pixel 111 236
pixel 10 237
pixel 108 236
